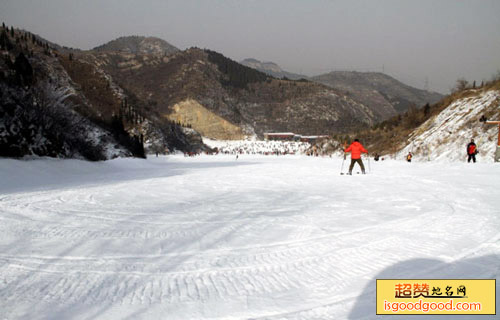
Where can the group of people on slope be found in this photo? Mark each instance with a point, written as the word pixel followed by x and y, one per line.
pixel 356 148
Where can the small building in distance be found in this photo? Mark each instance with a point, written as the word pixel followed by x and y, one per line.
pixel 290 136
pixel 312 139
pixel 280 136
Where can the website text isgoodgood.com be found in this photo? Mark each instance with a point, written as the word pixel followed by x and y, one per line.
pixel 424 306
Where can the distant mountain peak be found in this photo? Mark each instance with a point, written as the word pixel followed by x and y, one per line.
pixel 250 60
pixel 138 45
pixel 270 68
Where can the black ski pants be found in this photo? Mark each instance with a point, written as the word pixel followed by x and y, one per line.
pixel 473 157
pixel 360 162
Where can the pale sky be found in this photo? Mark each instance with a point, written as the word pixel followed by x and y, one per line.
pixel 418 42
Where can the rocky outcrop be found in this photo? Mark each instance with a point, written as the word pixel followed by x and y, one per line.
pixel 204 121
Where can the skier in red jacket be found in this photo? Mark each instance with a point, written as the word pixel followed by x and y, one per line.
pixel 471 151
pixel 356 149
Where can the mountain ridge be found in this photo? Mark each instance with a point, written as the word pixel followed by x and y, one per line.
pixel 242 96
pixel 161 97
pixel 271 68
pixel 384 94
pixel 381 91
pixel 54 104
pixel 138 45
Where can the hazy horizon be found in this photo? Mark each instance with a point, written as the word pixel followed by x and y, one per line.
pixel 425 44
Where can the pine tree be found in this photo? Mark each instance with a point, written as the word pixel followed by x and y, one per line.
pixel 120 114
pixel 427 109
pixel 12 32
pixel 23 69
pixel 4 41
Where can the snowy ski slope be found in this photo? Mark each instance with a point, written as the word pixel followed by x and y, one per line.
pixel 215 238
pixel 444 137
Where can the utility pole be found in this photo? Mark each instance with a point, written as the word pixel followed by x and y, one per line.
pixel 497 153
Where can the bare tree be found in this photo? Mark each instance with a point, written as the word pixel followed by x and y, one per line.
pixel 461 84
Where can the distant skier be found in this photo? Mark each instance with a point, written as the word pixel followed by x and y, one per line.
pixel 471 151
pixel 409 156
pixel 377 157
pixel 356 149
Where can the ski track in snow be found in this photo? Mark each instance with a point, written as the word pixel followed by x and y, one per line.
pixel 211 237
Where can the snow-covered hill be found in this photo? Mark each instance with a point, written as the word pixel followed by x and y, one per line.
pixel 445 136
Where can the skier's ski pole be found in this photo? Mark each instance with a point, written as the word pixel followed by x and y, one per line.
pixel 369 166
pixel 345 155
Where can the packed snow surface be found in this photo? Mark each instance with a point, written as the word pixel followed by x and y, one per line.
pixel 211 237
